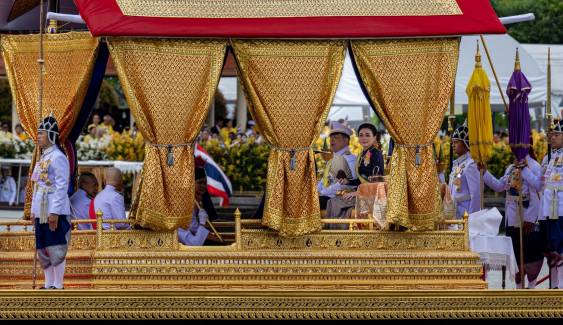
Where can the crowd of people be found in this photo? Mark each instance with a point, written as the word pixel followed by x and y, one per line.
pixel 226 135
pixel 100 127
pixel 18 129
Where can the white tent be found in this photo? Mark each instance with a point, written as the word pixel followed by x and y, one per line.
pixel 350 101
pixel 502 49
pixel 539 53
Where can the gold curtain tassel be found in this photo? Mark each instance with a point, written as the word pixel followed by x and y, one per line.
pixel 292 160
pixel 170 157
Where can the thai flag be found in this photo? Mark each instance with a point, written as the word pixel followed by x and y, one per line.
pixel 218 183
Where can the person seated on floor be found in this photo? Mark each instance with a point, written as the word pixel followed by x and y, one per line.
pixel 110 200
pixel 80 201
pixel 196 233
pixel 328 186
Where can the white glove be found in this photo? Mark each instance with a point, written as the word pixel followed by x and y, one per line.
pixel 202 214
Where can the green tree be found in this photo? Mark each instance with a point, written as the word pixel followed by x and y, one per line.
pixel 220 105
pixel 5 102
pixel 547 28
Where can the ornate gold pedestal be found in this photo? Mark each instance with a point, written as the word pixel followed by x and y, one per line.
pixel 329 275
pixel 273 304
pixel 258 260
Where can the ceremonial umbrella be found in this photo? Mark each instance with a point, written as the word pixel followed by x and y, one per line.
pixel 479 113
pixel 519 135
pixel 479 122
pixel 518 112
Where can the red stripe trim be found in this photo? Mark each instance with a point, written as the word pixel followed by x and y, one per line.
pixel 218 193
pixel 104 18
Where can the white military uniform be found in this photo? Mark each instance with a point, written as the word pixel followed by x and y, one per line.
pixel 464 186
pixel 510 179
pixel 334 187
pixel 513 183
pixel 51 179
pixel 550 184
pixel 464 182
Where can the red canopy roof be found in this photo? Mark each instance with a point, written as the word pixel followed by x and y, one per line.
pixel 199 18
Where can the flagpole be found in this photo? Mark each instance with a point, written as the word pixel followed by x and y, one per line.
pixel 550 121
pixel 548 106
pixel 451 127
pixel 41 62
pixel 210 224
pixel 495 74
pixel 521 235
pixel 517 67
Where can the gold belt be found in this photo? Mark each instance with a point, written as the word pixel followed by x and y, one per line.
pixel 44 213
pixel 554 213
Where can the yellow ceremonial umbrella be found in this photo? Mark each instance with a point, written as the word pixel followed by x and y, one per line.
pixel 479 118
pixel 479 113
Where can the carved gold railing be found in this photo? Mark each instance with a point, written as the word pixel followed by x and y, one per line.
pixel 240 225
pixel 257 258
pixel 28 226
pixel 249 234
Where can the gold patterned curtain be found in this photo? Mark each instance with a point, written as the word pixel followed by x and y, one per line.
pixel 410 83
pixel 169 85
pixel 290 86
pixel 69 60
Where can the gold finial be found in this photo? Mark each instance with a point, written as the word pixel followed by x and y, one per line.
pixel 466 229
pixel 517 61
pixel 478 57
pixel 238 229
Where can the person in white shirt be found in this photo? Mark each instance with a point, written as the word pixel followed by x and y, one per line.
pixel 196 233
pixel 339 145
pixel 50 205
pixel 8 188
pixel 80 201
pixel 110 201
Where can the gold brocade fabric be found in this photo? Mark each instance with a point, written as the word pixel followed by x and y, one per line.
pixel 169 85
pixel 286 8
pixel 69 60
pixel 290 86
pixel 410 82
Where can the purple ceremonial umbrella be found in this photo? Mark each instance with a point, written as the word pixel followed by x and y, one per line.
pixel 519 112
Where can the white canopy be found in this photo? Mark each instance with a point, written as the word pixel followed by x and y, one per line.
pixel 349 98
pixel 502 49
pixel 539 53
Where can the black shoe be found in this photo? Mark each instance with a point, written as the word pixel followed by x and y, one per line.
pixel 43 288
pixel 55 288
